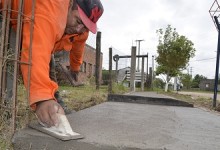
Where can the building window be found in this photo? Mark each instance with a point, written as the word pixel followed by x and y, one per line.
pixel 83 67
pixel 207 85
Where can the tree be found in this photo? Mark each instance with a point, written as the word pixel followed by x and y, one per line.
pixel 196 80
pixel 186 80
pixel 159 83
pixel 174 52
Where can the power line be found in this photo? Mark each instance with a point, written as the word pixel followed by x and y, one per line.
pixel 204 59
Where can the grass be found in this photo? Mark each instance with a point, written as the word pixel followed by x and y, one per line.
pixel 79 98
pixel 196 101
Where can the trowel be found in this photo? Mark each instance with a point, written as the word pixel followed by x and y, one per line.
pixel 62 131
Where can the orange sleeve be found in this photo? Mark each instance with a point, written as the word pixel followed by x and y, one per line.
pixel 49 26
pixel 76 53
pixel 65 43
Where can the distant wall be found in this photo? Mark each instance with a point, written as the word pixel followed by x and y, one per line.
pixel 87 68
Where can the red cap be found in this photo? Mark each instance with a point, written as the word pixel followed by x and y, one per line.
pixel 90 11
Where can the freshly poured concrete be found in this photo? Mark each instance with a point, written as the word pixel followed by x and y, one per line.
pixel 129 126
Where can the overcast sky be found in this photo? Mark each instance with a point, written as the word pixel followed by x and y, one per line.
pixel 125 21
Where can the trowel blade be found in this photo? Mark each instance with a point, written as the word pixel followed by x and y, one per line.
pixel 63 131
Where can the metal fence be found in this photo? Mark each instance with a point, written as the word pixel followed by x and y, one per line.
pixel 13 96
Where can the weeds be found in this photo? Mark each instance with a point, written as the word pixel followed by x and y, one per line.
pixel 119 88
pixel 196 101
pixel 82 97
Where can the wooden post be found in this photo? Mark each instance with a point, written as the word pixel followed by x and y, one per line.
pixel 142 75
pixel 98 51
pixel 116 70
pixel 147 70
pixel 150 77
pixel 152 81
pixel 110 72
pixel 133 68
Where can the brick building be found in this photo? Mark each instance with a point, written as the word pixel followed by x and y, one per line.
pixel 87 68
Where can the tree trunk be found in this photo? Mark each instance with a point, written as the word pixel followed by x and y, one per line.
pixel 166 87
pixel 167 83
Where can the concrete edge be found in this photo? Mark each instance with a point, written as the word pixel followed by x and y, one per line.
pixel 147 100
pixel 29 139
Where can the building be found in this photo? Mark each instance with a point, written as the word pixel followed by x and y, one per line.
pixel 207 84
pixel 87 69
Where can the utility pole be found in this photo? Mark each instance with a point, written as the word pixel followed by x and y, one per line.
pixel 191 70
pixel 215 16
pixel 188 71
pixel 217 65
pixel 139 45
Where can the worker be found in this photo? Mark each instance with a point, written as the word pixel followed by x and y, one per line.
pixel 58 25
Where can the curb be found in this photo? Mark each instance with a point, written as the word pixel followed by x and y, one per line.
pixel 147 100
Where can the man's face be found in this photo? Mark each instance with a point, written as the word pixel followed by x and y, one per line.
pixel 74 24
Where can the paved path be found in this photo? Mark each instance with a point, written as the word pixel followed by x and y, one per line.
pixel 130 126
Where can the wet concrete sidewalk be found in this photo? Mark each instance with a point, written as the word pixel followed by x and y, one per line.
pixel 131 126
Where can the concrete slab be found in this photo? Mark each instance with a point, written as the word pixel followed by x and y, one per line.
pixel 130 126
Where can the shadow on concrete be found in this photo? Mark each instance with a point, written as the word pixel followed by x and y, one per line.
pixel 148 100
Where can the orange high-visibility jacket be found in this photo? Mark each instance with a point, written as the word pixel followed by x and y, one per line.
pixel 48 37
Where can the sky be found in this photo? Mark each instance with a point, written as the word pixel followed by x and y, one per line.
pixel 125 21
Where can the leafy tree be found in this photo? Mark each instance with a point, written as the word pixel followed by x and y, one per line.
pixel 159 83
pixel 196 80
pixel 186 80
pixel 174 52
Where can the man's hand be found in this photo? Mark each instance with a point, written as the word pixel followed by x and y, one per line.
pixel 46 112
pixel 74 74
